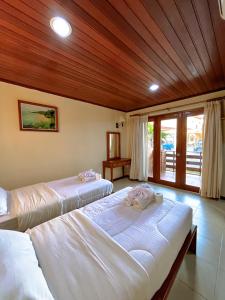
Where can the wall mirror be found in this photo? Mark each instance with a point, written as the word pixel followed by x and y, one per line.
pixel 113 145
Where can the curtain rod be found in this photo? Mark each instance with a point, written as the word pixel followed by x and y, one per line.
pixel 147 113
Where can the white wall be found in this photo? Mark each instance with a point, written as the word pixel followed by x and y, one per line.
pixel 31 157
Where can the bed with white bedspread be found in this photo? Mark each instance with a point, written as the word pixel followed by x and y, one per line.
pixel 77 194
pixel 122 253
pixel 32 205
pixel 152 236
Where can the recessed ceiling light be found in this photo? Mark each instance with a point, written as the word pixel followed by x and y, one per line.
pixel 61 26
pixel 154 87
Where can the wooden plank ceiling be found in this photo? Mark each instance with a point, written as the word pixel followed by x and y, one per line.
pixel 117 49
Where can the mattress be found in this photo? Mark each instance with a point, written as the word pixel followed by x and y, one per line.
pixel 34 204
pixel 71 191
pixel 92 265
pixel 153 236
pixel 77 194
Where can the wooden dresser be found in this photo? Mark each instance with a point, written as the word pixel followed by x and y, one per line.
pixel 115 163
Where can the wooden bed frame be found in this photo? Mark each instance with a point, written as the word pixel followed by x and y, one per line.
pixel 188 245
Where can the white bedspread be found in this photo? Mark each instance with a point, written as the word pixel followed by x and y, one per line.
pixel 77 194
pixel 80 261
pixel 153 236
pixel 34 204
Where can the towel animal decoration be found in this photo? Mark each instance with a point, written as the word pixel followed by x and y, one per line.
pixel 89 175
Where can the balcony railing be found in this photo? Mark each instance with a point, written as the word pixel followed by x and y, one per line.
pixel 193 162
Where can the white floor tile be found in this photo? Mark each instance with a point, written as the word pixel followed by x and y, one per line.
pixel 222 256
pixel 208 250
pixel 181 291
pixel 220 289
pixel 199 275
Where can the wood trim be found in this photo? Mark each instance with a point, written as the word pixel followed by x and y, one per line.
pixel 188 245
pixel 180 99
pixel 43 90
pixel 193 112
pixel 176 186
pixel 169 116
pixel 38 104
pixel 179 153
pixel 190 188
pixel 156 158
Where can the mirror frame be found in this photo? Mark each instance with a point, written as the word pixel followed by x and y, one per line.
pixel 108 148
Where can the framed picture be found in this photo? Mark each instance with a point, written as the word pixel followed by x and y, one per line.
pixel 37 117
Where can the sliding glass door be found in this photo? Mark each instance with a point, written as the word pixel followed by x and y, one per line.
pixel 168 149
pixel 175 149
pixel 194 139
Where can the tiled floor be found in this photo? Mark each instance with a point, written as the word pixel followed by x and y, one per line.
pixel 201 276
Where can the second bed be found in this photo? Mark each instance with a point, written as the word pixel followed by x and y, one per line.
pixel 32 205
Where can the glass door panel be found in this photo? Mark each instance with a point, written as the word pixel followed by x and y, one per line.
pixel 168 144
pixel 194 150
pixel 150 148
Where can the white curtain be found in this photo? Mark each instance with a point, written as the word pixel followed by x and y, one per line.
pixel 212 151
pixel 138 129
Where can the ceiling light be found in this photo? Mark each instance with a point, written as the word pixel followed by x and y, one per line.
pixel 154 87
pixel 60 26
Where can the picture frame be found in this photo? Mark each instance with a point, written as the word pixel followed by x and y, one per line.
pixel 37 117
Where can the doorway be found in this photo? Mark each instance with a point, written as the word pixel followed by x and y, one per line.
pixel 175 149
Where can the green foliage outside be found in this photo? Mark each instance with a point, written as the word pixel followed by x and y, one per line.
pixel 150 129
pixel 164 135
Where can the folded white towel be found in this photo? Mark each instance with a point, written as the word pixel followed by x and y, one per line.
pixel 140 197
pixel 145 185
pixel 128 201
pixel 89 175
pixel 159 197
pixel 87 179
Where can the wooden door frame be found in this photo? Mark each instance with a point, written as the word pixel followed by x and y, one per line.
pixel 180 148
pixel 156 149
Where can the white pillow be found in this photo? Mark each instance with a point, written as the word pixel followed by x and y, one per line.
pixel 3 201
pixel 20 276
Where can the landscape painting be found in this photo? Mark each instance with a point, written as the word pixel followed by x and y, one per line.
pixel 37 117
